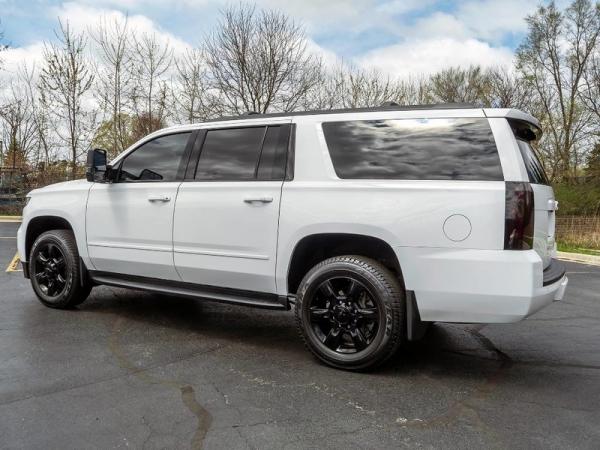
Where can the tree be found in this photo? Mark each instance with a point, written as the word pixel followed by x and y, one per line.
pixel 458 85
pixel 65 80
pixel 553 60
pixel 114 79
pixel 193 100
pixel 506 89
pixel 17 131
pixel 593 163
pixel 150 94
pixel 258 61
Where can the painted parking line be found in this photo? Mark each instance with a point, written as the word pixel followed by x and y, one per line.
pixel 14 264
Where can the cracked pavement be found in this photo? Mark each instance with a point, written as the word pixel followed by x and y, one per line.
pixel 138 370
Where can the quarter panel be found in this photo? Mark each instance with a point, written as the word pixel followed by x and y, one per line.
pixel 402 213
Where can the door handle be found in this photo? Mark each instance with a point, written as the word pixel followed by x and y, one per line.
pixel 258 199
pixel 158 198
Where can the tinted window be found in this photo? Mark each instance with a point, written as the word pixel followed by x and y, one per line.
pixel 535 169
pixel 274 154
pixel 414 149
pixel 156 160
pixel 244 154
pixel 230 154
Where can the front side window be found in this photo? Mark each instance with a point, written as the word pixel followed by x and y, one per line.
pixel 155 160
pixel 237 154
pixel 414 149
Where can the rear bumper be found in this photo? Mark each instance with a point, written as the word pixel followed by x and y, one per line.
pixel 480 286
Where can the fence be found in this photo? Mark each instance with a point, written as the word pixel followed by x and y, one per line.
pixel 579 231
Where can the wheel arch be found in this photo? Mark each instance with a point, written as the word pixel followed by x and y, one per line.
pixel 40 224
pixel 317 247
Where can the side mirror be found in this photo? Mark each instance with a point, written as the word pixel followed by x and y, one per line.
pixel 97 168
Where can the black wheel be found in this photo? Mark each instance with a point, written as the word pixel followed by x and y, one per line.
pixel 54 270
pixel 350 311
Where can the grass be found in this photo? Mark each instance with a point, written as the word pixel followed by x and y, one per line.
pixel 570 248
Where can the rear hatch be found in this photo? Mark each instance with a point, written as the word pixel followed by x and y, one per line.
pixel 545 205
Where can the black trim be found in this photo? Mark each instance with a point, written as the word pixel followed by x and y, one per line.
pixel 290 162
pixel 25 266
pixel 387 107
pixel 183 289
pixel 192 166
pixel 415 327
pixel 554 272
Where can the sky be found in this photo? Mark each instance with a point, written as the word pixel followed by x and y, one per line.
pixel 401 37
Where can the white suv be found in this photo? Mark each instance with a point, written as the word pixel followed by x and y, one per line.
pixel 373 222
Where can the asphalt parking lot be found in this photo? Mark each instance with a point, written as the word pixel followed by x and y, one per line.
pixel 135 370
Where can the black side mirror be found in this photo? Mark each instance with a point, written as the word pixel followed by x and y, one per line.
pixel 97 169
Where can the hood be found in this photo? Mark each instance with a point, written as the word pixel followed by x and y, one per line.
pixel 63 186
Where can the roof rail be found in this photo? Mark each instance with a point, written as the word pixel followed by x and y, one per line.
pixel 388 106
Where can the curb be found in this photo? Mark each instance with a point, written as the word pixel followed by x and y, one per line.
pixel 11 219
pixel 579 257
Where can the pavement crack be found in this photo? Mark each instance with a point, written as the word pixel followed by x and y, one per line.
pixel 188 395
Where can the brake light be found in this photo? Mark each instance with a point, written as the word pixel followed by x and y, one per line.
pixel 518 216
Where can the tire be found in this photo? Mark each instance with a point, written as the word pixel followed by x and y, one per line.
pixel 351 312
pixel 55 271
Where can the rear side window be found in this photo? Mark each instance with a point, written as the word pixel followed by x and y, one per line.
pixel 535 169
pixel 414 149
pixel 527 136
pixel 237 154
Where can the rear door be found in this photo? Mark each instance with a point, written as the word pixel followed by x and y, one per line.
pixel 227 212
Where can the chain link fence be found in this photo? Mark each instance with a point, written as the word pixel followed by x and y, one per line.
pixel 579 231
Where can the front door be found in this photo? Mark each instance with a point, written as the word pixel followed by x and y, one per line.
pixel 129 223
pixel 227 213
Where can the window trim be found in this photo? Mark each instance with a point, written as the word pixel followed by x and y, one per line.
pixel 182 164
pixel 196 153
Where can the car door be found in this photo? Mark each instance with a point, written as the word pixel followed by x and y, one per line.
pixel 129 222
pixel 227 210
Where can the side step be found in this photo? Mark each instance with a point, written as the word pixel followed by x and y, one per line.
pixel 180 288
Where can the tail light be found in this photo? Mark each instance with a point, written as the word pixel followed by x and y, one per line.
pixel 518 216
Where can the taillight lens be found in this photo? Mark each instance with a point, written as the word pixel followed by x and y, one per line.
pixel 519 216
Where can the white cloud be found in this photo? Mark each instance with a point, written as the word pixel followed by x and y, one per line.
pixel 492 19
pixel 425 56
pixel 82 17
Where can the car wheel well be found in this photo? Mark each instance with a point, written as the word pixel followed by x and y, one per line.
pixel 39 225
pixel 313 249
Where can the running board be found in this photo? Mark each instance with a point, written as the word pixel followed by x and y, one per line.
pixel 180 288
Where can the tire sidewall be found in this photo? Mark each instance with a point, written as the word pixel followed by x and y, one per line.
pixel 70 261
pixel 308 287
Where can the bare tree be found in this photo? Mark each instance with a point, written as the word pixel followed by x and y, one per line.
pixel 40 115
pixel 193 100
pixel 507 90
pixel 258 61
pixel 17 130
pixel 65 79
pixel 114 79
pixel 553 59
pixel 150 94
pixel 456 84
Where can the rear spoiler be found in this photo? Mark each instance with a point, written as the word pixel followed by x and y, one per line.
pixel 515 114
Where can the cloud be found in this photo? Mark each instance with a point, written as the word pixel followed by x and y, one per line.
pixel 426 56
pixel 82 17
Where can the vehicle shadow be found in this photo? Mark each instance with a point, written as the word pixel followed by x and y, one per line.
pixel 454 350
